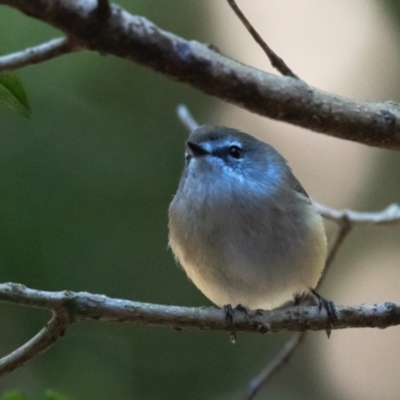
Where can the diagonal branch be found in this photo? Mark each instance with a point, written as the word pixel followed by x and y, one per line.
pixel 53 331
pixel 282 98
pixel 186 118
pixel 274 59
pixel 32 55
pixel 277 363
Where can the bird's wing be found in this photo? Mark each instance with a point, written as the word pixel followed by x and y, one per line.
pixel 296 185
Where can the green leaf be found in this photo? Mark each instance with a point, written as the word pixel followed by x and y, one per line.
pixel 13 95
pixel 14 395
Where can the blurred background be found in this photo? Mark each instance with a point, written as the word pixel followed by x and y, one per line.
pixel 86 183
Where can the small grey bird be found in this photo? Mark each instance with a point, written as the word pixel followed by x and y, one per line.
pixel 241 225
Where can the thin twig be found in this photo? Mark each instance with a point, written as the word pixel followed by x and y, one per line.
pixel 53 331
pixel 278 362
pixel 344 229
pixel 186 118
pixel 388 216
pixel 32 55
pixel 275 60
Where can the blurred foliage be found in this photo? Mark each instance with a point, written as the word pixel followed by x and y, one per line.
pixel 394 10
pixel 49 395
pixel 86 184
pixel 12 94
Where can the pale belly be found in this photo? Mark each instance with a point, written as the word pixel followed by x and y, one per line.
pixel 257 271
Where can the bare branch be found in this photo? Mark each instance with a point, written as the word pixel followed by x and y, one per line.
pixel 186 118
pixel 32 55
pixel 388 216
pixel 344 230
pixel 53 331
pixel 281 98
pixel 87 306
pixel 277 363
pixel 275 60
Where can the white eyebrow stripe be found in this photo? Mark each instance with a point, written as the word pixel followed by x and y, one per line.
pixel 210 146
pixel 229 142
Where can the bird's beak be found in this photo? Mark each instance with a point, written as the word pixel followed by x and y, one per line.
pixel 196 150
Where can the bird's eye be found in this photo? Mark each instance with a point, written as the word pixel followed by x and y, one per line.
pixel 235 151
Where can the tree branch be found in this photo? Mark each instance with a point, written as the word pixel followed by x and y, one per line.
pixel 86 306
pixel 186 118
pixel 274 59
pixel 69 307
pixel 32 55
pixel 54 330
pixel 388 216
pixel 276 364
pixel 281 98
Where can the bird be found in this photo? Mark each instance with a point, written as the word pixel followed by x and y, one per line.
pixel 242 226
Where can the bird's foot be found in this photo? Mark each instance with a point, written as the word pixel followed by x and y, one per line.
pixel 228 310
pixel 330 310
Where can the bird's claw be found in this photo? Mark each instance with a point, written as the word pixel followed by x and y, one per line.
pixel 330 308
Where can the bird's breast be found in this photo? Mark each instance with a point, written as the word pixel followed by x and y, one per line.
pixel 236 249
